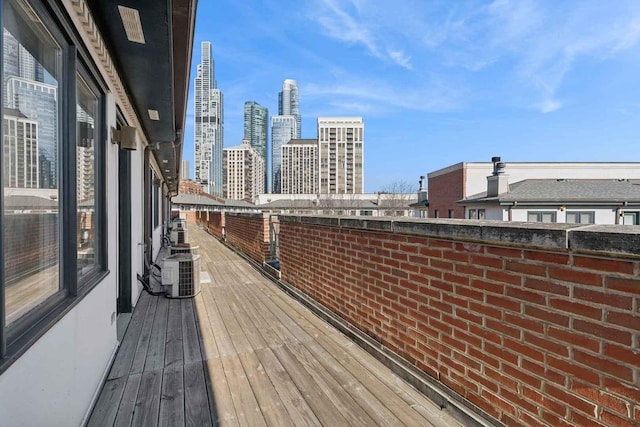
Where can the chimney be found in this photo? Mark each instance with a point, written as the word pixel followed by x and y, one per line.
pixel 422 192
pixel 498 181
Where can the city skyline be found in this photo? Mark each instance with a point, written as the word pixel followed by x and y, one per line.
pixel 438 82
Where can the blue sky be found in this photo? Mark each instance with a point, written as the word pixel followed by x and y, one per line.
pixel 437 81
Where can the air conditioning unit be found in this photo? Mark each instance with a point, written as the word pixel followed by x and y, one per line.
pixel 179 236
pixel 179 224
pixel 184 248
pixel 181 273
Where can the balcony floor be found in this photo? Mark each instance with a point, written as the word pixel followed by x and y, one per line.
pixel 243 352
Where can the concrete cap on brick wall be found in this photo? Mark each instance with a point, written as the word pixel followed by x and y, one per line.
pixel 260 215
pixel 620 239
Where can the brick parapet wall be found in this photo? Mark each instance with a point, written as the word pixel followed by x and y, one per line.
pixel 249 233
pixel 214 222
pixel 31 243
pixel 536 326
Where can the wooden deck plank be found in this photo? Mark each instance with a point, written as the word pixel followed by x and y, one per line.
pixel 191 341
pixel 224 302
pixel 354 356
pixel 128 402
pixel 140 357
pixel 222 338
pixel 364 390
pixel 271 406
pixel 124 359
pixel 322 407
pixel 247 408
pixel 158 338
pixel 208 346
pixel 196 404
pixel 173 354
pixel 106 409
pixel 272 332
pixel 221 406
pixel 148 401
pixel 299 410
pixel 331 389
pixel 172 400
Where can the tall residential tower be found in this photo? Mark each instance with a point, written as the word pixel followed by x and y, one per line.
pixel 289 104
pixel 341 154
pixel 209 125
pixel 256 130
pixel 285 126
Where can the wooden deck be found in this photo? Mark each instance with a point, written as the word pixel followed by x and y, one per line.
pixel 244 353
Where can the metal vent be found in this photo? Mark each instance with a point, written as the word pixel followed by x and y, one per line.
pixel 132 25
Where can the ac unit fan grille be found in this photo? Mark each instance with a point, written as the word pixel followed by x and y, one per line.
pixel 188 278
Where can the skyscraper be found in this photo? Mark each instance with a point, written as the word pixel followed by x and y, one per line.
pixel 243 172
pixel 283 129
pixel 184 170
pixel 256 130
pixel 300 167
pixel 341 154
pixel 20 159
pixel 38 101
pixel 289 103
pixel 209 125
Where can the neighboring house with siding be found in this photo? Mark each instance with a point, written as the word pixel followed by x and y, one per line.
pixel 574 201
pixel 466 180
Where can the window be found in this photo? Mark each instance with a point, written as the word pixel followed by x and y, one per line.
pixel 581 217
pixel 52 219
pixel 88 150
pixel 541 216
pixel 436 214
pixel 31 168
pixel 477 214
pixel 631 218
pixel 451 213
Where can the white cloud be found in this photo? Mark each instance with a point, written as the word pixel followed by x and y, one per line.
pixel 357 28
pixel 387 95
pixel 548 106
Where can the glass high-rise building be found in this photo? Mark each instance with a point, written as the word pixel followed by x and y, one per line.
pixel 256 130
pixel 209 125
pixel 289 103
pixel 38 101
pixel 283 130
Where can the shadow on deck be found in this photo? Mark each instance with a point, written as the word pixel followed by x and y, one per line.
pixel 243 352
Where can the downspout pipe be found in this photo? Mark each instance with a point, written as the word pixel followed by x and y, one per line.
pixel 146 211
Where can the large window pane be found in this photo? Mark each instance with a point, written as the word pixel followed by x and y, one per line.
pixel 87 234
pixel 32 69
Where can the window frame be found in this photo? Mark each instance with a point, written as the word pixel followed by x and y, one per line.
pixel 99 173
pixel 540 215
pixel 579 217
pixel 636 217
pixel 18 337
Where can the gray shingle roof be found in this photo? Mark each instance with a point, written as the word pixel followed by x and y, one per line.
pixel 199 200
pixel 566 191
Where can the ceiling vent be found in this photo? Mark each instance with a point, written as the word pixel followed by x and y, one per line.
pixel 132 25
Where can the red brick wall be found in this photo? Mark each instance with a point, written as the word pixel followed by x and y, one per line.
pixel 444 191
pixel 212 221
pixel 248 233
pixel 533 337
pixel 190 216
pixel 31 243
